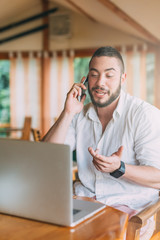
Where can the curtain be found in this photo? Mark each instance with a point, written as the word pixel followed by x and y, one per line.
pixel 135 67
pixel 25 85
pixel 58 78
pixel 39 86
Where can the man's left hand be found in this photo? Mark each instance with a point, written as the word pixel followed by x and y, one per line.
pixel 106 164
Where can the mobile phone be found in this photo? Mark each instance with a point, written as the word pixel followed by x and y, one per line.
pixel 85 82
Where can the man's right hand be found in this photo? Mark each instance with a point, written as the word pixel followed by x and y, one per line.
pixel 57 133
pixel 72 104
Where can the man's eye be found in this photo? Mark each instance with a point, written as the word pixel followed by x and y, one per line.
pixel 109 76
pixel 94 75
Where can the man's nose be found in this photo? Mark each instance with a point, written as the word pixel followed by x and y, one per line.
pixel 101 81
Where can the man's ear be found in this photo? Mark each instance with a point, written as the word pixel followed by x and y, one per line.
pixel 123 78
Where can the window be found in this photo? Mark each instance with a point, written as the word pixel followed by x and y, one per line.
pixel 4 91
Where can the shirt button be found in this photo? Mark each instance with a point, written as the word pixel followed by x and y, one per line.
pixel 98 176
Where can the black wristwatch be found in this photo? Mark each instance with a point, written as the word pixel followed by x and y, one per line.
pixel 119 172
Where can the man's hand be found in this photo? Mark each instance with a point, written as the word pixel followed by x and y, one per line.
pixel 106 164
pixel 57 133
pixel 72 104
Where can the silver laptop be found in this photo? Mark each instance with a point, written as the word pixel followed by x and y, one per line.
pixel 36 183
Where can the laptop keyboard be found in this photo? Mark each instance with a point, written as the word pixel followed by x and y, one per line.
pixel 76 211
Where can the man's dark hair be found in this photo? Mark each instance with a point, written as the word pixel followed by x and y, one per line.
pixel 108 52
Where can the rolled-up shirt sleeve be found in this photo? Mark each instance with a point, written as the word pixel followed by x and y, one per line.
pixel 71 136
pixel 147 136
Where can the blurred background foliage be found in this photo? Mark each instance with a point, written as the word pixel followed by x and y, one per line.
pixel 81 68
pixel 4 91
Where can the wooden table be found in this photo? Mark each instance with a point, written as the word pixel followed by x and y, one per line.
pixel 109 224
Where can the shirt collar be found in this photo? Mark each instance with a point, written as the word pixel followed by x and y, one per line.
pixel 119 109
pixel 92 114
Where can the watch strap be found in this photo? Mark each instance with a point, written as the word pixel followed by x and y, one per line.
pixel 119 172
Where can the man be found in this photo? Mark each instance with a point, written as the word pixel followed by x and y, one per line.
pixel 116 137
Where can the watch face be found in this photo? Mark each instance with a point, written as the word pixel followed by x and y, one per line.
pixel 119 172
pixel 116 174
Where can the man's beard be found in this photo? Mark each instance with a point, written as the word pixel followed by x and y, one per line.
pixel 109 101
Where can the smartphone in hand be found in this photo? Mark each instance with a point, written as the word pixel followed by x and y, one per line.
pixel 85 82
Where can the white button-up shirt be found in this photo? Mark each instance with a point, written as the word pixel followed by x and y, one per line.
pixel 136 126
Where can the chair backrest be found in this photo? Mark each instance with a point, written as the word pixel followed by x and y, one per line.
pixel 136 222
pixel 26 128
pixel 12 131
pixel 36 135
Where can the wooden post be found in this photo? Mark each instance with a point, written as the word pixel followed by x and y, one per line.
pixel 46 30
pixel 143 88
pixel 45 47
pixel 157 78
pixel 129 66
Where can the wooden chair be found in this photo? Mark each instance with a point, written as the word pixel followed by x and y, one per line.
pixel 25 131
pixel 75 168
pixel 139 220
pixel 26 128
pixel 75 171
pixel 36 135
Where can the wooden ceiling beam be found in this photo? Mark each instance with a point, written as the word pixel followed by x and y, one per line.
pixel 86 52
pixel 81 10
pixel 125 17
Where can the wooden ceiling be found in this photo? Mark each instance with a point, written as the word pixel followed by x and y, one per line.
pixel 140 19
pixel 137 18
